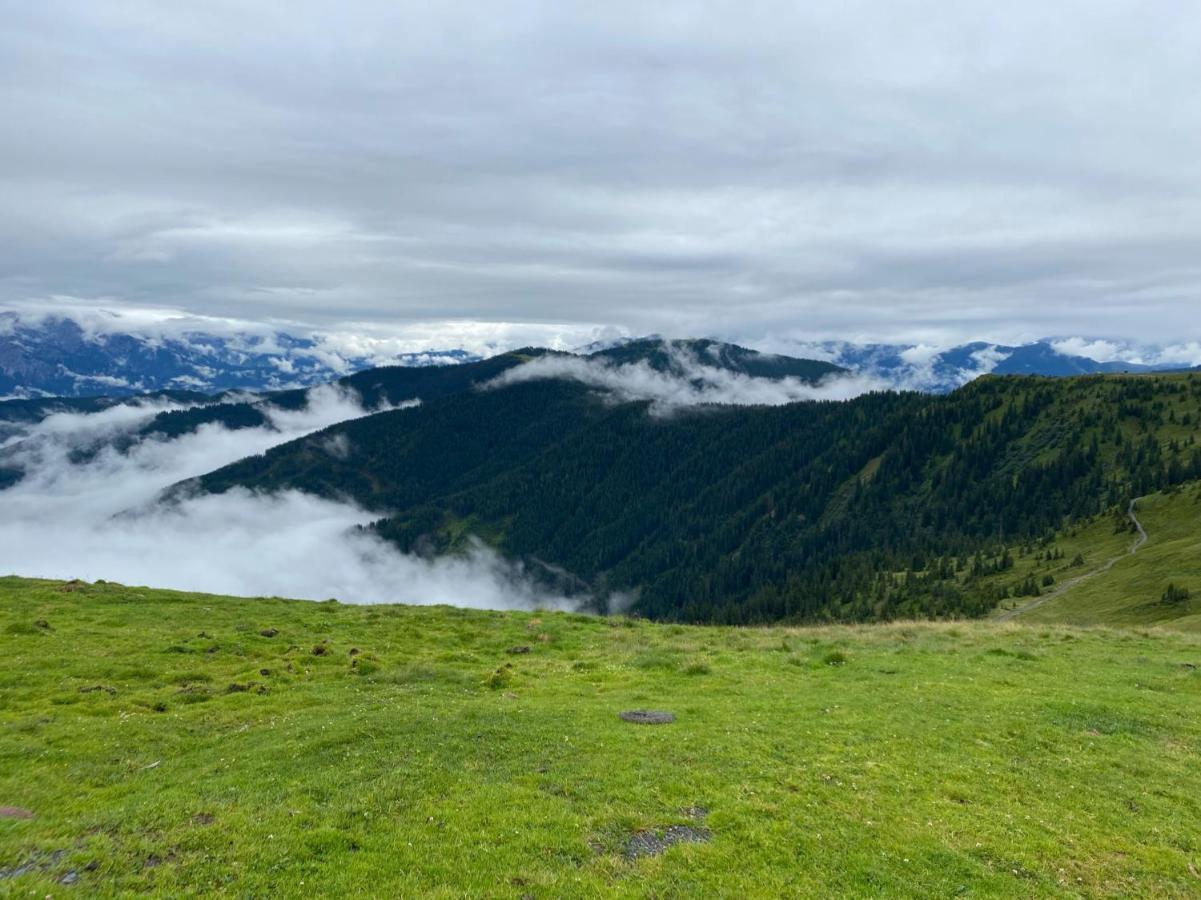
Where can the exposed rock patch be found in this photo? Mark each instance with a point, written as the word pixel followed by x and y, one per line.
pixel 647 716
pixel 654 842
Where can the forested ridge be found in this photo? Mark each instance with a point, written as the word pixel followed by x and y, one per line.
pixel 873 508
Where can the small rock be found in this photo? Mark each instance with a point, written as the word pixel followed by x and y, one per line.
pixel 651 843
pixel 518 650
pixel 354 651
pixel 647 717
pixel 70 878
pixel 269 632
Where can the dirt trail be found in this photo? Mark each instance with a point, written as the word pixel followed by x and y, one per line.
pixel 1072 582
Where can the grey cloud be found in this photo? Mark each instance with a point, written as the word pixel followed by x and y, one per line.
pixel 912 171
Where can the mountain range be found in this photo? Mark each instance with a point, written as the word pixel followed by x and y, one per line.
pixel 60 357
pixel 743 513
pixel 700 481
pixel 57 356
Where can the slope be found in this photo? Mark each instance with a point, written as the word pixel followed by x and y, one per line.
pixel 863 509
pixel 173 745
pixel 665 356
pixel 1132 592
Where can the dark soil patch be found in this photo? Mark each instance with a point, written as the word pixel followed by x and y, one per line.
pixel 516 651
pixel 98 687
pixel 647 717
pixel 40 862
pixel 652 843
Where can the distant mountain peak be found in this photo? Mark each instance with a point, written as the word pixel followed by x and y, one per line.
pixel 664 355
pixel 56 356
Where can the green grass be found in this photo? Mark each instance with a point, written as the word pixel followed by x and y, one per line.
pixel 1130 593
pixel 167 747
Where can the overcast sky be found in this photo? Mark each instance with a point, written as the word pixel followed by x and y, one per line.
pixel 902 170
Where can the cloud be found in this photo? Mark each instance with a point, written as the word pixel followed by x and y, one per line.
pixel 689 382
pixel 100 519
pixel 1096 350
pixel 919 171
pixel 1182 354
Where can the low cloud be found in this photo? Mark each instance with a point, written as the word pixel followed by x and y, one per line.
pixel 101 519
pixel 690 382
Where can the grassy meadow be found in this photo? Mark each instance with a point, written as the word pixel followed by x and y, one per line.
pixel 173 744
pixel 1130 594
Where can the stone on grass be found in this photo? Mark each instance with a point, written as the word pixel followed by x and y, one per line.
pixel 647 716
pixel 652 843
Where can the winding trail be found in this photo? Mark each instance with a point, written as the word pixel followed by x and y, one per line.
pixel 1066 586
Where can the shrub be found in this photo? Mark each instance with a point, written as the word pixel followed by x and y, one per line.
pixel 1174 595
pixel 501 678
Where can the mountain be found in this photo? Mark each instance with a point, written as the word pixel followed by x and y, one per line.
pixel 677 357
pixel 869 508
pixel 58 357
pixel 917 367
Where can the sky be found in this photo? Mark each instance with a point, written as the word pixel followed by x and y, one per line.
pixel 928 171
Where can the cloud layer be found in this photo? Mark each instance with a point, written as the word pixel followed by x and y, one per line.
pixel 689 383
pixel 917 171
pixel 98 519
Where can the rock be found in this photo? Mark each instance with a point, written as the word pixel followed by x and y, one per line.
pixel 518 650
pixel 269 632
pixel 652 843
pixel 647 717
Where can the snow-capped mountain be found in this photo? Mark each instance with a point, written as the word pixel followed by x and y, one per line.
pixel 56 356
pixel 925 368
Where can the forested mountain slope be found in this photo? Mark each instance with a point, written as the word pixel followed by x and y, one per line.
pixel 666 356
pixel 852 510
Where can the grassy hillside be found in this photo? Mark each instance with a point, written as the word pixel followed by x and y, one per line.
pixel 182 744
pixel 1131 593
